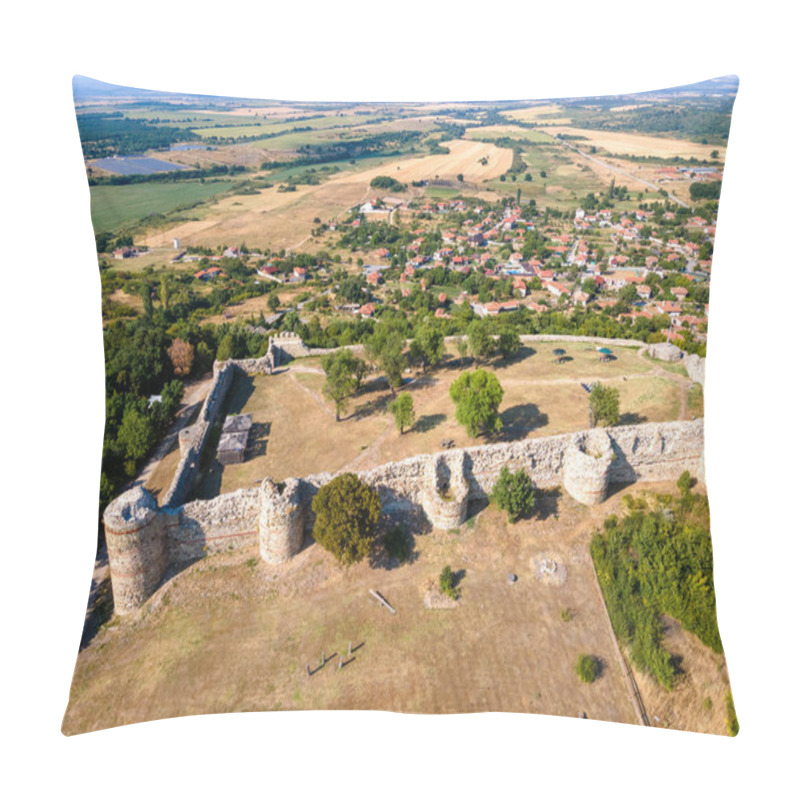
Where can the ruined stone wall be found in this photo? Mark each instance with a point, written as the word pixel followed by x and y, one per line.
pixel 143 541
pixel 657 451
pixel 192 444
pixel 204 527
pixel 696 368
pixel 562 337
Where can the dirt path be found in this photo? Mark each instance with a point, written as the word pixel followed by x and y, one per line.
pixel 193 395
pixel 618 171
pixel 317 399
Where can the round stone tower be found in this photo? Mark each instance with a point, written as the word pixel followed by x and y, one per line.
pixel 280 522
pixel 446 493
pixel 137 548
pixel 587 464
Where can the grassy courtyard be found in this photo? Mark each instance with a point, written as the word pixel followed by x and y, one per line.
pixel 295 432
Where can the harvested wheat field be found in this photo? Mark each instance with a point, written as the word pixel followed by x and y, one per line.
pixel 283 219
pixel 635 144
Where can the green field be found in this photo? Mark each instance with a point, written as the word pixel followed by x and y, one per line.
pixel 266 128
pixel 114 207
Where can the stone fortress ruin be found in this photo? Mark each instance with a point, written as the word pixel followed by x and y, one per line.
pixel 147 543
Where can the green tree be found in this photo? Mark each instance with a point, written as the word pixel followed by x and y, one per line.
pixel 628 294
pixel 481 344
pixel 514 493
pixel 402 407
pixel 273 302
pixel 463 348
pixel 603 406
pixel 347 512
pixel 136 436
pixel 427 346
pixel 587 668
pixel 340 383
pixel 477 396
pixel 225 349
pixel 386 349
pixel 164 293
pixel 508 343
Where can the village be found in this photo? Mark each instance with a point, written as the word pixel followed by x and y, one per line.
pixel 649 264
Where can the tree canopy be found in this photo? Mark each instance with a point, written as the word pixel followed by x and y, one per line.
pixel 402 407
pixel 477 396
pixel 514 493
pixel 347 512
pixel 603 406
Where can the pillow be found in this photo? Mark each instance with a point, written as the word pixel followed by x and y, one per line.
pixel 404 407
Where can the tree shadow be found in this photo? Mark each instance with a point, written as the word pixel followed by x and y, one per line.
pixel 428 422
pixel 515 358
pixel 474 507
pixel 385 553
pixel 421 382
pixel 458 576
pixel 546 504
pixel 377 384
pixel 377 404
pixel 520 420
pixel 631 418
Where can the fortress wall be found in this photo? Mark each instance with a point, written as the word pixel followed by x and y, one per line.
pixel 563 337
pixel 144 540
pixel 696 367
pixel 656 452
pixel 204 527
pixel 194 442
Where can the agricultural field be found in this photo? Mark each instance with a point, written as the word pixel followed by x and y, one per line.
pixel 296 433
pixel 636 144
pixel 284 219
pixel 115 207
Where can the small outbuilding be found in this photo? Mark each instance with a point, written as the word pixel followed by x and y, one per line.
pixel 233 440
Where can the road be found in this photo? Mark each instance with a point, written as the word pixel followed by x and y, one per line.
pixel 619 171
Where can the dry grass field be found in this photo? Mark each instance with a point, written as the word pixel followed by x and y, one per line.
pixel 296 433
pixel 284 219
pixel 697 703
pixel 546 113
pixel 625 143
pixel 232 633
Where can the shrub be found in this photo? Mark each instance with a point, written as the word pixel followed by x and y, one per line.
pixel 447 583
pixel 603 405
pixel 514 493
pixel 587 668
